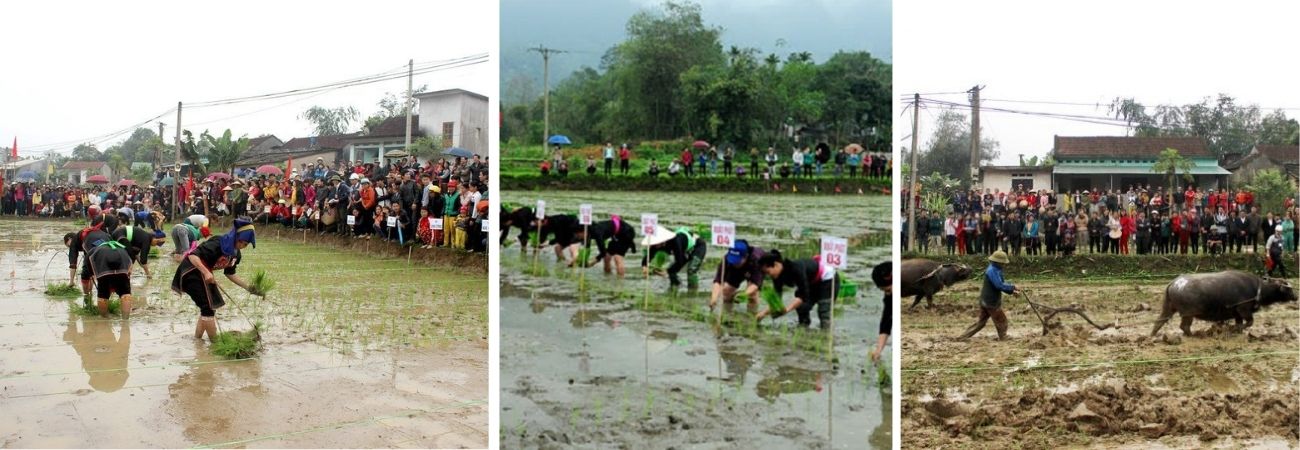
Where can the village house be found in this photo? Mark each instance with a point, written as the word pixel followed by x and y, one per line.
pixel 1117 162
pixel 79 171
pixel 1010 178
pixel 456 118
pixel 1282 158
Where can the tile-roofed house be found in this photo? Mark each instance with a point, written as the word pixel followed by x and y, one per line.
pixel 1117 162
pixel 370 146
pixel 79 171
pixel 302 150
pixel 1283 158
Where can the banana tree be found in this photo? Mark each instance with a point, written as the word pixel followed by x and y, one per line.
pixel 1170 163
pixel 224 151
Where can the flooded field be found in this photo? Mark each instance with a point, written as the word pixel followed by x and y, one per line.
pixel 359 351
pixel 592 361
pixel 1080 387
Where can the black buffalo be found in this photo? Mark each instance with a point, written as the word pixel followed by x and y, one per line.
pixel 923 278
pixel 1220 296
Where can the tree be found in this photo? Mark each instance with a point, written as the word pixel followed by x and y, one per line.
pixel 1271 190
pixel 858 89
pixel 391 106
pixel 425 147
pixel 119 166
pixel 1170 163
pixel 86 152
pixel 330 121
pixel 948 149
pixel 1227 126
pixel 223 151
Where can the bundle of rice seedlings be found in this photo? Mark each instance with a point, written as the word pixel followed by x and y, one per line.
pixel 882 375
pixel 773 300
pixel 62 290
pixel 532 239
pixel 584 256
pixel 84 310
pixel 154 253
pixel 79 222
pixel 238 344
pixel 261 284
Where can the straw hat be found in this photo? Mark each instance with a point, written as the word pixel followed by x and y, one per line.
pixel 434 189
pixel 661 235
pixel 1000 257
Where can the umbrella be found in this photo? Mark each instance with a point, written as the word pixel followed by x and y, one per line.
pixel 126 182
pixel 26 175
pixel 218 176
pixel 460 152
pixel 167 181
pixel 269 170
pixel 97 179
pixel 700 144
pixel 397 154
pixel 853 149
pixel 559 139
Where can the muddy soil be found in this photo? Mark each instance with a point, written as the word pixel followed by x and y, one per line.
pixel 584 366
pixel 336 369
pixel 1083 387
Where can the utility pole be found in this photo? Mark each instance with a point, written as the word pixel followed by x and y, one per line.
pixel 975 136
pixel 546 90
pixel 911 186
pixel 157 153
pixel 176 180
pixel 410 74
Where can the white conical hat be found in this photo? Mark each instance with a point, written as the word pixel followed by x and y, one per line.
pixel 661 235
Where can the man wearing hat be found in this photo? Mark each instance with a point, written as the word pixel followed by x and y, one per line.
pixel 991 297
pixel 1275 245
pixel 686 248
pixel 741 265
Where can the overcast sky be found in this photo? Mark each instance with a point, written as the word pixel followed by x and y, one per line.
pixel 1155 51
pixel 71 70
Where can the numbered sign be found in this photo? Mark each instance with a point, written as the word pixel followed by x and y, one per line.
pixel 295 210
pixel 724 233
pixel 485 226
pixel 541 209
pixel 352 220
pixel 648 223
pixel 392 221
pixel 584 214
pixel 435 224
pixel 267 209
pixel 835 252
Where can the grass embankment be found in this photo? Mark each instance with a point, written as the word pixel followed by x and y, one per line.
pixel 1108 267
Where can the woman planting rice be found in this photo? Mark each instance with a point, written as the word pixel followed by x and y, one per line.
pixel 686 248
pixel 741 267
pixel 813 285
pixel 186 235
pixel 194 275
pixel 79 244
pixel 106 262
pixel 137 241
pixel 613 238
pixel 566 231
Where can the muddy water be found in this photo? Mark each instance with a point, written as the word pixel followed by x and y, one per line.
pixel 589 368
pixel 71 381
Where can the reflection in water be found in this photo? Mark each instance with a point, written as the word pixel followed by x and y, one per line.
pixel 738 363
pixel 103 355
pixel 789 380
pixel 209 398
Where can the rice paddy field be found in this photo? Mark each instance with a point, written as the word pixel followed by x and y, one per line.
pixel 589 360
pixel 356 351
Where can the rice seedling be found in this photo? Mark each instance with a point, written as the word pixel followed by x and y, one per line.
pixel 62 290
pixel 261 284
pixel 81 309
pixel 238 344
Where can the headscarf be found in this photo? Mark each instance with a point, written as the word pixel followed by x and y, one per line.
pixel 243 231
pixel 618 222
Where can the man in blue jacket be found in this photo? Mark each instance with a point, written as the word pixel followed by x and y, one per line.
pixel 991 297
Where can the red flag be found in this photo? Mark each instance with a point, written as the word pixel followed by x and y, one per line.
pixel 288 168
pixel 15 148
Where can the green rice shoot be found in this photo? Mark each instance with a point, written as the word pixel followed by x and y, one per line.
pixel 584 257
pixel 882 375
pixel 80 308
pixel 773 300
pixel 261 284
pixel 62 290
pixel 238 344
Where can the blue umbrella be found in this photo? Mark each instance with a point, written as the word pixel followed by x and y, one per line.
pixel 459 152
pixel 27 175
pixel 559 139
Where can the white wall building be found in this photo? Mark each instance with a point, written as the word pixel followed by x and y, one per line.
pixel 455 118
pixel 1007 178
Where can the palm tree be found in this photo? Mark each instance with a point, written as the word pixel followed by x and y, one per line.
pixel 118 165
pixel 1170 163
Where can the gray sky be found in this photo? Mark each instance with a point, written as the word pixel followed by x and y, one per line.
pixel 587 28
pixel 1089 51
pixel 79 69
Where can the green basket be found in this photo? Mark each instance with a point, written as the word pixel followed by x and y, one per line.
pixel 848 289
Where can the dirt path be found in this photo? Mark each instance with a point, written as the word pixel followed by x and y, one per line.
pixel 1081 387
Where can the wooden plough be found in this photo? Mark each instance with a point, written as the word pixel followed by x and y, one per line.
pixel 1053 311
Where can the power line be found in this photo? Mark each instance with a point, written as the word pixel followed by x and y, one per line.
pixel 94 139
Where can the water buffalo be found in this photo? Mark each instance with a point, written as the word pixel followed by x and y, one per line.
pixel 923 278
pixel 1221 296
